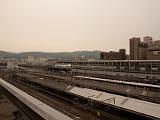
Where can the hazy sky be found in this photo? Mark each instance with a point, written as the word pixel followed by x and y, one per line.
pixel 69 25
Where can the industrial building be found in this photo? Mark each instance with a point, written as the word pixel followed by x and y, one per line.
pixel 112 55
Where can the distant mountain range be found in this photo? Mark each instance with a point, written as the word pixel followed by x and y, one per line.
pixel 88 54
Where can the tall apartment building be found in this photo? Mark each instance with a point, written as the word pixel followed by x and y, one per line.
pixel 144 50
pixel 134 48
pixel 148 39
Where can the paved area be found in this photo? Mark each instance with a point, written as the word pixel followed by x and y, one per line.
pixel 7 110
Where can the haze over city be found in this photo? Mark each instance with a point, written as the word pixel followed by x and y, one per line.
pixel 71 25
pixel 79 59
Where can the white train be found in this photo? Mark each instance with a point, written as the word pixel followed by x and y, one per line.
pixel 63 66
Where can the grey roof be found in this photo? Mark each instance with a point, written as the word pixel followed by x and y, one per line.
pixel 131 104
pixel 122 82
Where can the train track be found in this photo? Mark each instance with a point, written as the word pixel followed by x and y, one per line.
pixel 78 112
pixel 62 106
pixel 68 80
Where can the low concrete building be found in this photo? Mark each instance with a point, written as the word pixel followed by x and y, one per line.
pixel 11 65
pixel 153 55
pixel 153 52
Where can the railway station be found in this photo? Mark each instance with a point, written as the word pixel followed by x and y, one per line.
pixel 80 60
pixel 96 98
pixel 100 97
